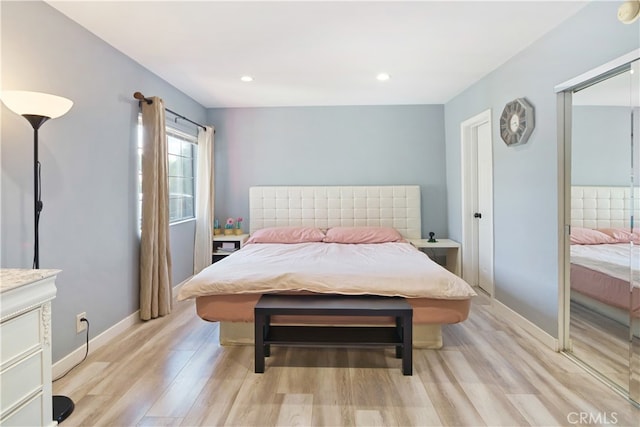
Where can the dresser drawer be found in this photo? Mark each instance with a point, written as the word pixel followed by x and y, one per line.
pixel 20 336
pixel 29 414
pixel 20 381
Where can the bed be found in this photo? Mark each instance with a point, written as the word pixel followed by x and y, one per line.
pixel 335 240
pixel 605 251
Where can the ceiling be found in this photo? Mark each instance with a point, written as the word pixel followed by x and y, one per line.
pixel 304 53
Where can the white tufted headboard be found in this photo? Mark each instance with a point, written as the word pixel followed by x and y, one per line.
pixel 395 206
pixel 603 207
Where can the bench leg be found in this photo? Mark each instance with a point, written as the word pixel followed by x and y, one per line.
pixel 407 341
pixel 399 332
pixel 267 347
pixel 259 343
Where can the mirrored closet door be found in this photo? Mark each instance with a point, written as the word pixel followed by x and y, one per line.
pixel 634 295
pixel 604 253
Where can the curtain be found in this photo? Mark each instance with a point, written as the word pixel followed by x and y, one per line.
pixel 155 252
pixel 204 200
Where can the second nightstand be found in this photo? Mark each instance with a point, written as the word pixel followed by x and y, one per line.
pixel 224 245
pixel 454 262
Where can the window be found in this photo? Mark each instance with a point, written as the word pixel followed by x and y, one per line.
pixel 182 151
pixel 181 156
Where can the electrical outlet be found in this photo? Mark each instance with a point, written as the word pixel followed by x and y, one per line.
pixel 81 326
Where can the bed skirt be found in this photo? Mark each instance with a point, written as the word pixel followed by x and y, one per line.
pixel 606 289
pixel 235 312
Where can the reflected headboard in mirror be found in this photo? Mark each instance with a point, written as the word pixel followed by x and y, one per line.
pixel 603 207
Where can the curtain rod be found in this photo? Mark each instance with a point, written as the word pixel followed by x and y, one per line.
pixel 140 97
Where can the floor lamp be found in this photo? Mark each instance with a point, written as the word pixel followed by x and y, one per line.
pixel 37 108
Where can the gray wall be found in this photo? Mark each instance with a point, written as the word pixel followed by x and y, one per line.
pixel 182 236
pixel 369 145
pixel 88 225
pixel 600 145
pixel 525 180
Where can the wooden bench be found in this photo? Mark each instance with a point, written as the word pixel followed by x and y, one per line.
pixel 398 336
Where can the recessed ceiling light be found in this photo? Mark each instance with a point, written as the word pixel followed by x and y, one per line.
pixel 383 77
pixel 246 79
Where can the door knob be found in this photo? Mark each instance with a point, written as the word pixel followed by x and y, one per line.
pixel 477 215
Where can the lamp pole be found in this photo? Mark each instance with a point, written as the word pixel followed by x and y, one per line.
pixel 37 205
pixel 36 121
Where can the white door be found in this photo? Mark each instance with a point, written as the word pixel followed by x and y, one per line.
pixel 477 202
pixel 484 193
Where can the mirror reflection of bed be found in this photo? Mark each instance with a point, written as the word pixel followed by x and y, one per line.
pixel 602 252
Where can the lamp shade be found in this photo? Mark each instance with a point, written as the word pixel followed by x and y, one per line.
pixel 35 103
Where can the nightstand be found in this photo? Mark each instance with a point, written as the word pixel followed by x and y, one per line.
pixel 453 251
pixel 224 245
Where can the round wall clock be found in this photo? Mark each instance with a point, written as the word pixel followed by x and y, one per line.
pixel 516 122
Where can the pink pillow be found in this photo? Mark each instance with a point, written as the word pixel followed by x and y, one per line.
pixel 621 235
pixel 588 236
pixel 287 235
pixel 363 235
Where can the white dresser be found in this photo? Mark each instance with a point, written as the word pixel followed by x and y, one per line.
pixel 25 346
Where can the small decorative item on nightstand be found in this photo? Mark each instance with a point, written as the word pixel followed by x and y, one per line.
pixel 238 229
pixel 216 227
pixel 432 239
pixel 228 227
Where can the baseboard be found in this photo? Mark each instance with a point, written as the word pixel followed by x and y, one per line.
pixel 176 288
pixel 515 318
pixel 70 360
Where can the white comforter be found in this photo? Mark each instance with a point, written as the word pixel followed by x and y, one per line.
pixel 389 269
pixel 614 260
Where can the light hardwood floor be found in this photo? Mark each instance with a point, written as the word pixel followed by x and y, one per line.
pixel 173 372
pixel 601 343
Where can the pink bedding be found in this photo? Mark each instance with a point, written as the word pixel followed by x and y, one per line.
pixel 606 289
pixel 602 271
pixel 388 269
pixel 611 259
